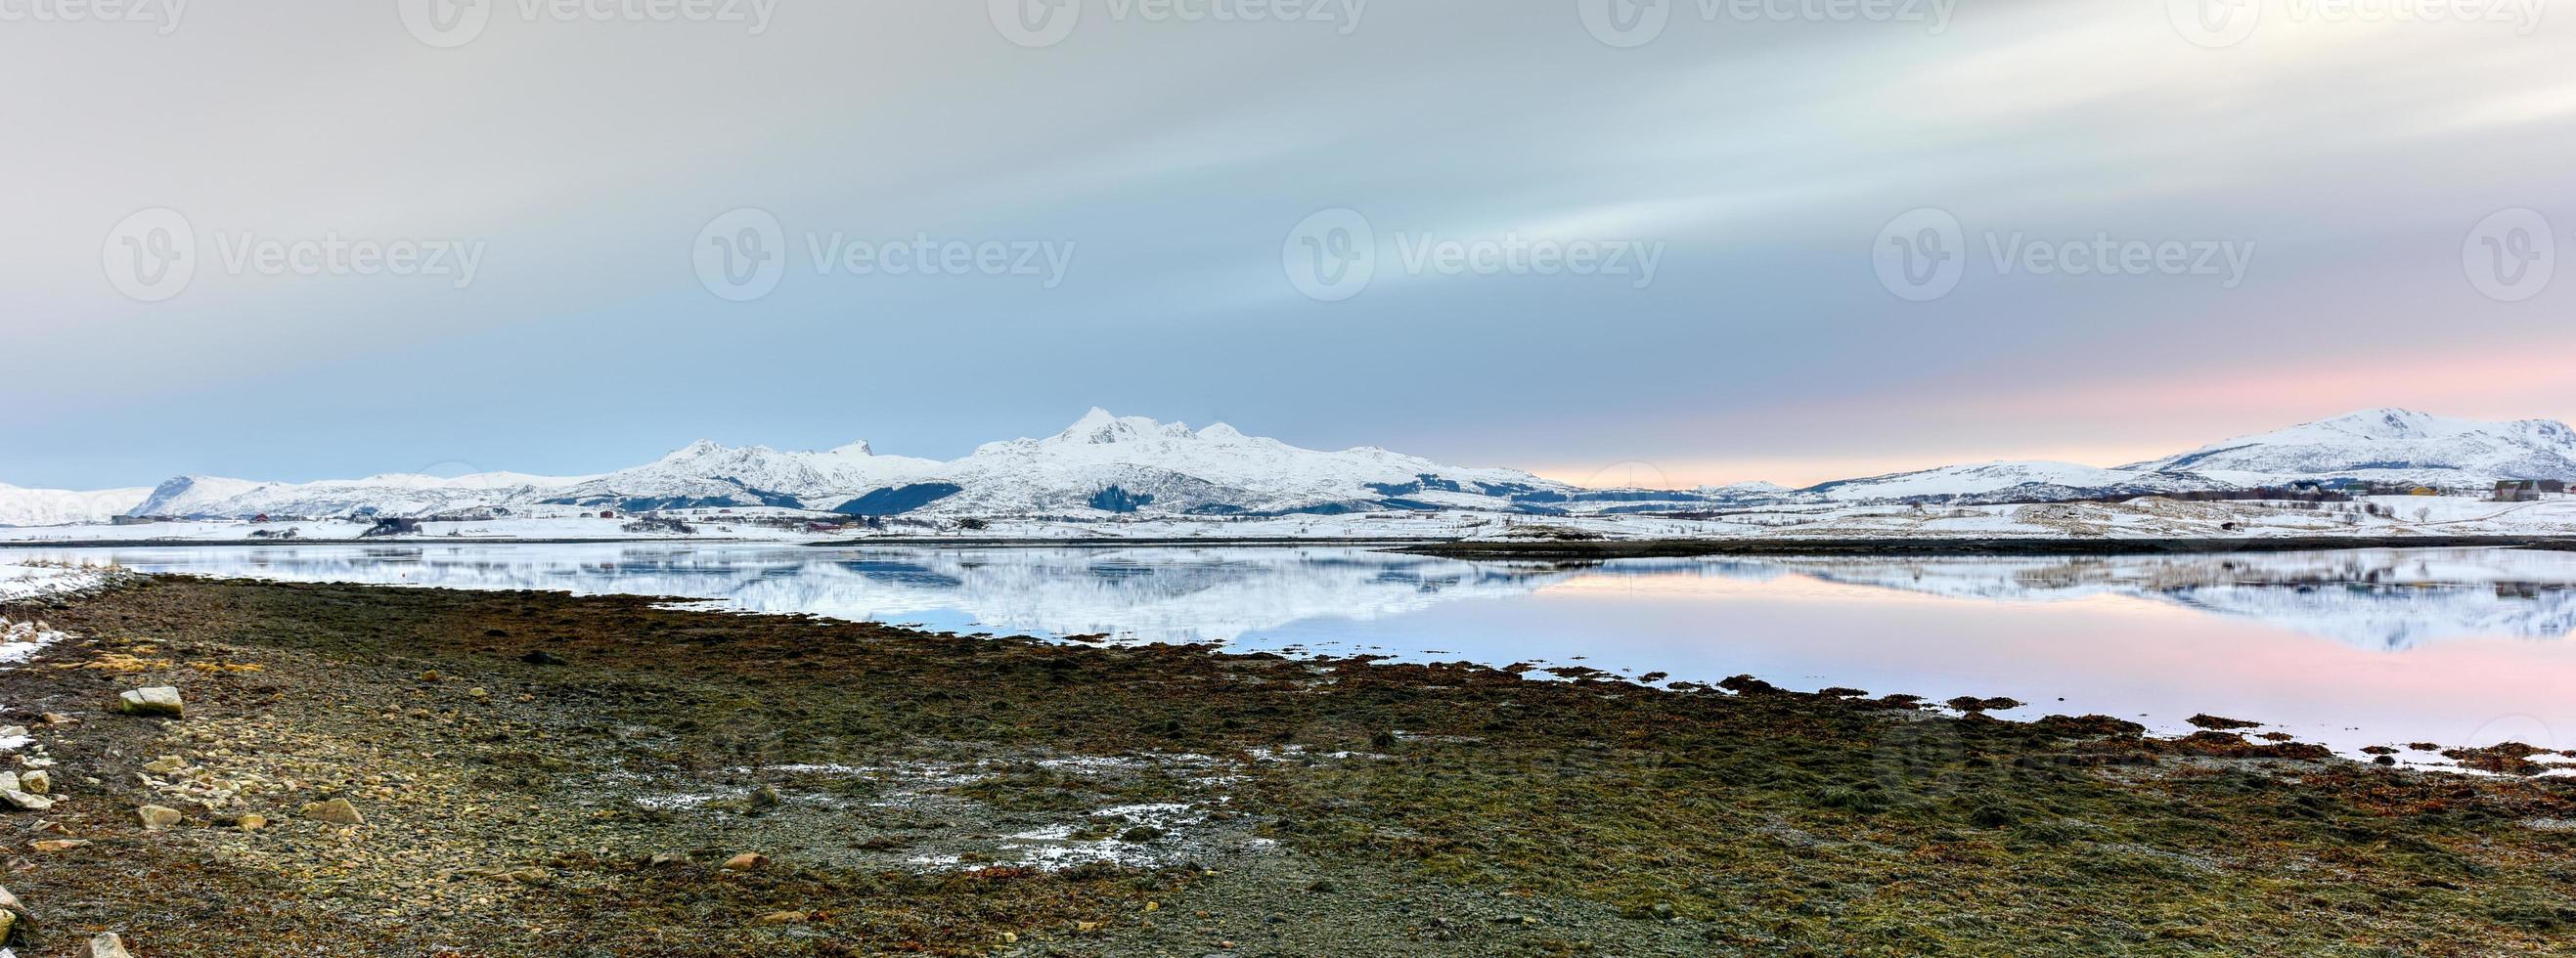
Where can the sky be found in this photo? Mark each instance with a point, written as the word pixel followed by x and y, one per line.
pixel 1671 243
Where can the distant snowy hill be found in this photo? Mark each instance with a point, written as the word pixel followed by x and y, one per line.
pixel 390 495
pixel 708 475
pixel 2014 481
pixel 59 507
pixel 2389 445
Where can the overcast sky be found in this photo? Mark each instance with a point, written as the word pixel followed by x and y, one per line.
pixel 1117 205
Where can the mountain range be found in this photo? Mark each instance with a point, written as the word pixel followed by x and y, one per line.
pixel 1105 465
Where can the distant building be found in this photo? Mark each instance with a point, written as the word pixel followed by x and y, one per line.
pixel 2524 490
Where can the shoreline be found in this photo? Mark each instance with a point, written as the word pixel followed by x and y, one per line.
pixel 1687 548
pixel 1478 549
pixel 546 774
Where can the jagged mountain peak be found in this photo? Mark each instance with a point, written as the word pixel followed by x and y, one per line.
pixel 1102 427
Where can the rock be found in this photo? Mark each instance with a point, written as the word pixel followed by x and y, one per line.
pixel 747 862
pixel 166 765
pixel 157 817
pixel 540 658
pixel 36 783
pixel 9 782
pixel 107 945
pixel 24 802
pixel 58 844
pixel 159 701
pixel 765 796
pixel 58 718
pixel 13 916
pixel 337 811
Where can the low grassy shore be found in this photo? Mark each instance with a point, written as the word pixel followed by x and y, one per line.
pixel 536 774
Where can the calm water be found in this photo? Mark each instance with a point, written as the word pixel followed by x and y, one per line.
pixel 2348 648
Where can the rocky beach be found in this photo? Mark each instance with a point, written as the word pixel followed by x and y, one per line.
pixel 358 770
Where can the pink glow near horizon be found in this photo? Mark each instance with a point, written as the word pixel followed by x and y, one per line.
pixel 2113 423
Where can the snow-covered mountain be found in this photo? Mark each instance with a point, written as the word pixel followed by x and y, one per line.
pixel 1101 465
pixel 2388 445
pixel 60 507
pixel 1105 465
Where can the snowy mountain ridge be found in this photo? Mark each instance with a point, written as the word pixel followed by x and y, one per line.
pixel 1107 465
pixel 2388 445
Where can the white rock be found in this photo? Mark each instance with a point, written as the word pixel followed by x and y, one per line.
pixel 159 700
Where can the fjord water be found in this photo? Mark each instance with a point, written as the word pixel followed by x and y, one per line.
pixel 2348 648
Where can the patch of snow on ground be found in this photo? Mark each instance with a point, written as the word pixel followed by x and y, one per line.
pixel 28 581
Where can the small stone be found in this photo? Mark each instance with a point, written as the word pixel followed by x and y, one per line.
pixel 337 811
pixel 58 718
pixel 765 796
pixel 107 945
pixel 157 817
pixel 541 658
pixel 166 765
pixel 251 823
pixel 159 701
pixel 783 918
pixel 58 844
pixel 36 783
pixel 747 862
